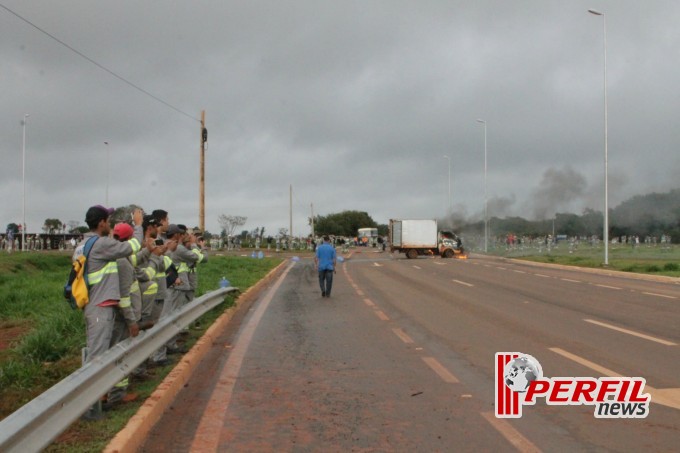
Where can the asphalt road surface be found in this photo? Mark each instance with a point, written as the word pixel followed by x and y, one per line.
pixel 401 358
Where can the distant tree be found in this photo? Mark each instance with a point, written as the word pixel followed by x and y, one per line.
pixel 52 225
pixel 13 227
pixel 344 223
pixel 283 232
pixel 229 223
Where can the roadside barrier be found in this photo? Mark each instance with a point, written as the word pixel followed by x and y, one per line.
pixel 36 424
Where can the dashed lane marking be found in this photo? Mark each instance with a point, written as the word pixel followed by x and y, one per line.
pixel 377 265
pixel 570 280
pixel 631 332
pixel 543 275
pixel 438 368
pixel 660 295
pixel 513 436
pixel 606 286
pixel 502 268
pixel 666 397
pixel 381 315
pixel 519 272
pixel 403 336
pixel 360 293
pixel 463 283
pixel 417 267
pixel 369 302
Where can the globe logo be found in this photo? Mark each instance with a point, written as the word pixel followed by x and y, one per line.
pixel 520 372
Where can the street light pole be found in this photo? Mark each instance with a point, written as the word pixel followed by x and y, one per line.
pixel 107 174
pixel 23 178
pixel 449 205
pixel 486 214
pixel 605 233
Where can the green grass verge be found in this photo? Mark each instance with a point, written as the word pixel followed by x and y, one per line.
pixel 642 259
pixel 41 336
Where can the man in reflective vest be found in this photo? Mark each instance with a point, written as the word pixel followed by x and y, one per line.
pixel 102 274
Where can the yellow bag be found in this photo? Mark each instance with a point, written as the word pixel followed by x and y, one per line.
pixel 77 288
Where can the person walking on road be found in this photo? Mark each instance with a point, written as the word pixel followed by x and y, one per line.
pixel 325 264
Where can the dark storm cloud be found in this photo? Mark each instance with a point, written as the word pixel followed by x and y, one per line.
pixel 353 103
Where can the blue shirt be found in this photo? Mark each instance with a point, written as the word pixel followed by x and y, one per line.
pixel 325 253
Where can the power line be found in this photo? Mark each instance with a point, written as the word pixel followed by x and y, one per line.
pixel 121 78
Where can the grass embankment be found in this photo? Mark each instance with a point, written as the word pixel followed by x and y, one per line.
pixel 641 259
pixel 41 336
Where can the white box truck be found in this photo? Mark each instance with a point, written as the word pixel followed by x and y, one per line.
pixel 421 237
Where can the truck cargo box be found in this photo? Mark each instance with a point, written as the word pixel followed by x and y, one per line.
pixel 421 234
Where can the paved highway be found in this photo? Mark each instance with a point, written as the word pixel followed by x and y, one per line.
pixel 401 358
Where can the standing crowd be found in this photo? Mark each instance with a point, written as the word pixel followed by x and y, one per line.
pixel 137 275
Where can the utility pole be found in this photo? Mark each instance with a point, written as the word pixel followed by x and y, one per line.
pixel 290 212
pixel 201 202
pixel 312 221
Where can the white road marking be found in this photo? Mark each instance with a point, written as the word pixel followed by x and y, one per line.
pixel 417 267
pixel 631 332
pixel 369 302
pixel 570 280
pixel 360 293
pixel 463 283
pixel 211 423
pixel 542 275
pixel 439 264
pixel 377 265
pixel 665 397
pixel 607 286
pixel 513 436
pixel 381 315
pixel 438 368
pixel 402 335
pixel 519 272
pixel 502 268
pixel 660 295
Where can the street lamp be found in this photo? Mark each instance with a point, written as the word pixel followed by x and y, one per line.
pixel 23 177
pixel 606 159
pixel 107 174
pixel 486 216
pixel 449 205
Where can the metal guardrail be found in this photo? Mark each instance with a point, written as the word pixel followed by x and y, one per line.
pixel 36 424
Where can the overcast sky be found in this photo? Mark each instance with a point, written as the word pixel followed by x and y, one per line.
pixel 353 103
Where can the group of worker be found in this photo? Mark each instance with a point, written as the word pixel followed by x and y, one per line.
pixel 137 275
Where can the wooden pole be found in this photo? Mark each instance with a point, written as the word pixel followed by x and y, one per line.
pixel 201 202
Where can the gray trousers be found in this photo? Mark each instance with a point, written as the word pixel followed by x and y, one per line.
pixel 326 281
pixel 99 322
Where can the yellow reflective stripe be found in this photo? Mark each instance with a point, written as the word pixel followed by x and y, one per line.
pixel 152 289
pixel 123 384
pixel 96 277
pixel 134 288
pixel 124 302
pixel 136 247
pixel 198 253
pixel 133 260
pixel 183 268
pixel 167 261
pixel 160 275
pixel 150 273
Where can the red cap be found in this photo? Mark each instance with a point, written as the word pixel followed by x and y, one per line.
pixel 123 231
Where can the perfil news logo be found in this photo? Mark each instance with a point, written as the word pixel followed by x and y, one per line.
pixel 520 381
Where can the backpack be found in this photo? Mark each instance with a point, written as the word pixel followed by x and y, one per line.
pixel 76 290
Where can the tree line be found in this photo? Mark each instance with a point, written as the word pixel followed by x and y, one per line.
pixel 653 215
